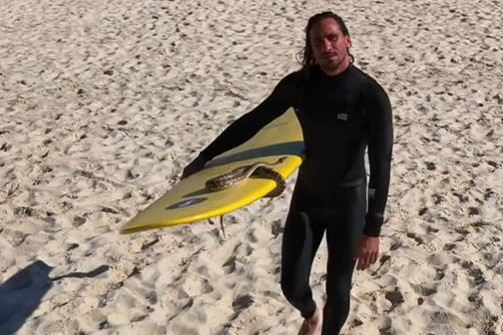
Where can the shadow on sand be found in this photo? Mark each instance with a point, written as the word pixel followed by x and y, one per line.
pixel 22 293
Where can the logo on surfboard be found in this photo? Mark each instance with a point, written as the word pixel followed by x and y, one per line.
pixel 187 203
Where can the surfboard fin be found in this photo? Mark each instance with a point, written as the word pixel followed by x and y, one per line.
pixel 222 226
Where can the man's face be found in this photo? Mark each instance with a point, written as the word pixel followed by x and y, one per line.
pixel 330 46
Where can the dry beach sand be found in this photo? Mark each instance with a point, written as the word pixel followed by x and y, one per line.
pixel 102 103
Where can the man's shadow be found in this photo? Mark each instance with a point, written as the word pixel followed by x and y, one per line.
pixel 22 293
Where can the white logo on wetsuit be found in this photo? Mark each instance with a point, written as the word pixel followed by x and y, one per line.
pixel 342 116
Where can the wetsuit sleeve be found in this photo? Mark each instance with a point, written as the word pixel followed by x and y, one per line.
pixel 380 145
pixel 250 123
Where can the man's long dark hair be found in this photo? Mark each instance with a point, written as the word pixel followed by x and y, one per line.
pixel 307 60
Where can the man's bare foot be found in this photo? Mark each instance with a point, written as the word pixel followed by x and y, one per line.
pixel 312 326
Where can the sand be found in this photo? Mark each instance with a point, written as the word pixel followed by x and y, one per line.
pixel 103 103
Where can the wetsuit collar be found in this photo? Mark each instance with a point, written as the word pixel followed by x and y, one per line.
pixel 322 76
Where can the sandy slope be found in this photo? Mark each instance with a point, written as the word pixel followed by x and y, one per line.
pixel 103 103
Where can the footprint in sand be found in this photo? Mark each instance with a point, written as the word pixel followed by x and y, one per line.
pixel 241 303
pixel 395 297
pixel 478 281
pixel 474 272
pixel 230 265
pixel 276 228
pixel 449 246
pixel 251 237
pixel 416 238
pixel 428 289
pixel 440 274
pixel 78 221
pixel 386 327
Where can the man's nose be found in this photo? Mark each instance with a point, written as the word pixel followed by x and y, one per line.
pixel 326 45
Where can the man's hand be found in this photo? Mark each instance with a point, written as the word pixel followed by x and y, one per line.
pixel 195 166
pixel 368 251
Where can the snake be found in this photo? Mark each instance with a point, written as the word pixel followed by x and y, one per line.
pixel 236 176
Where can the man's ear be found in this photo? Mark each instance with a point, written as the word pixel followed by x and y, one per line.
pixel 348 41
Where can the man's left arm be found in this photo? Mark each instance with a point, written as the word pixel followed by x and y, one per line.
pixel 380 146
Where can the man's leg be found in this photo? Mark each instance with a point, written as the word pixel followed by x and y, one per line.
pixel 344 231
pixel 301 239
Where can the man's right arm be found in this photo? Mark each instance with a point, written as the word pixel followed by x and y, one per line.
pixel 250 123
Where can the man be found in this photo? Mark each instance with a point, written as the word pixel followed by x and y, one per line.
pixel 341 110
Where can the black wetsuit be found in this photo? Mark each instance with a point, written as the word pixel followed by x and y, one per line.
pixel 340 116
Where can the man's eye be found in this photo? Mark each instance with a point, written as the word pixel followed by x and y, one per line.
pixel 332 38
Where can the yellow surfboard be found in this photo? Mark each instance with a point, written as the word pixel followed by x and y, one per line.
pixel 189 201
